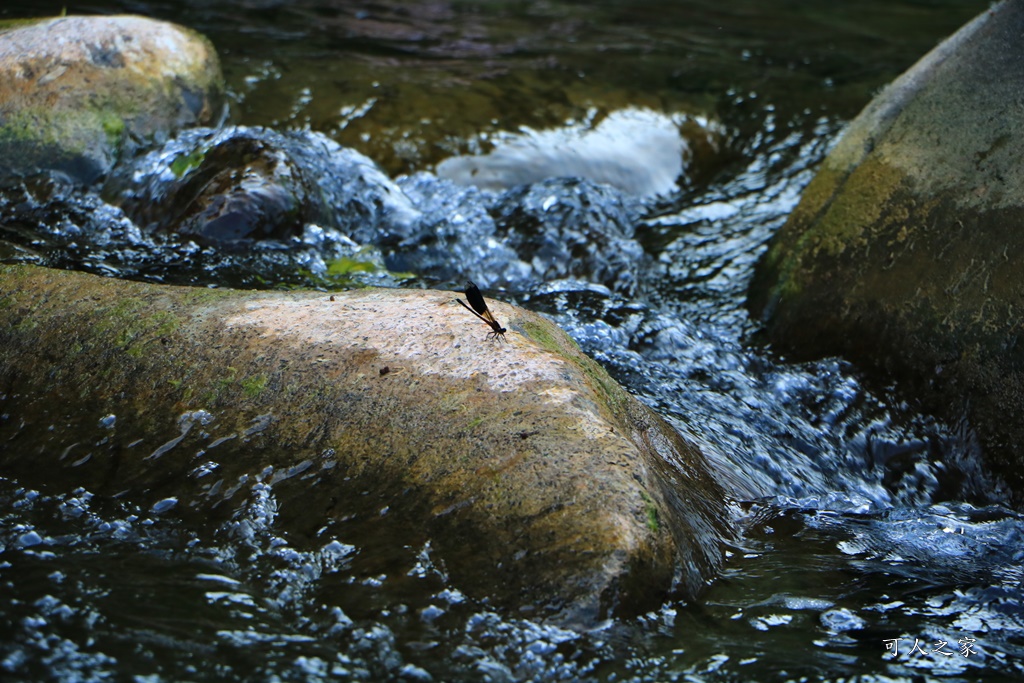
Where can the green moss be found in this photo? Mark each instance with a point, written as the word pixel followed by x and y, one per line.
pixel 190 297
pixel 615 396
pixel 164 323
pixel 26 324
pixel 252 387
pixel 132 327
pixel 345 266
pixel 566 347
pixel 225 382
pixel 343 273
pixel 540 334
pixel 853 211
pixel 186 162
pixel 835 214
pixel 70 131
pixel 122 321
pixel 24 125
pixel 113 126
pixel 789 287
pixel 651 511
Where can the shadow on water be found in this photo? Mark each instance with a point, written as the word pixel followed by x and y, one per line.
pixel 868 528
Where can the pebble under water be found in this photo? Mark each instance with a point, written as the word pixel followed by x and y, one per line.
pixel 873 543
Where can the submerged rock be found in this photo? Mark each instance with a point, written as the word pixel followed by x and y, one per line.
pixel 238 185
pixel 903 252
pixel 573 229
pixel 265 204
pixel 77 93
pixel 382 415
pixel 544 234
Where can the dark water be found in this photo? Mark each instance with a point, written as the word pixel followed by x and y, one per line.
pixel 867 527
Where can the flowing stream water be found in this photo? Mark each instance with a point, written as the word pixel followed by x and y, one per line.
pixel 873 547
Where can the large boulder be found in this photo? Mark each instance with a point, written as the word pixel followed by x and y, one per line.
pixel 904 252
pixel 379 415
pixel 77 92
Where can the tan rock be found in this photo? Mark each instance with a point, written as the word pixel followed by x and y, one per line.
pixel 537 480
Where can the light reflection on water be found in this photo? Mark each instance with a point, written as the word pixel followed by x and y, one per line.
pixel 848 544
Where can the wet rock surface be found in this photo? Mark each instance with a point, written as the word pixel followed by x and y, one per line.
pixel 78 93
pixel 236 186
pixel 902 254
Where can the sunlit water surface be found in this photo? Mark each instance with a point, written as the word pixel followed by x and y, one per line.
pixel 873 543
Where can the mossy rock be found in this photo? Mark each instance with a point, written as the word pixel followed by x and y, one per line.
pixel 903 254
pixel 78 92
pixel 537 480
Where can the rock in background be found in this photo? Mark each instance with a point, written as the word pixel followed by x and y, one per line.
pixel 904 253
pixel 77 93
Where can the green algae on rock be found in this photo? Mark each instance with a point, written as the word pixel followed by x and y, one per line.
pixel 902 254
pixel 536 486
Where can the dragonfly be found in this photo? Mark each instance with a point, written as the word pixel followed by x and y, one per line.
pixel 480 310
